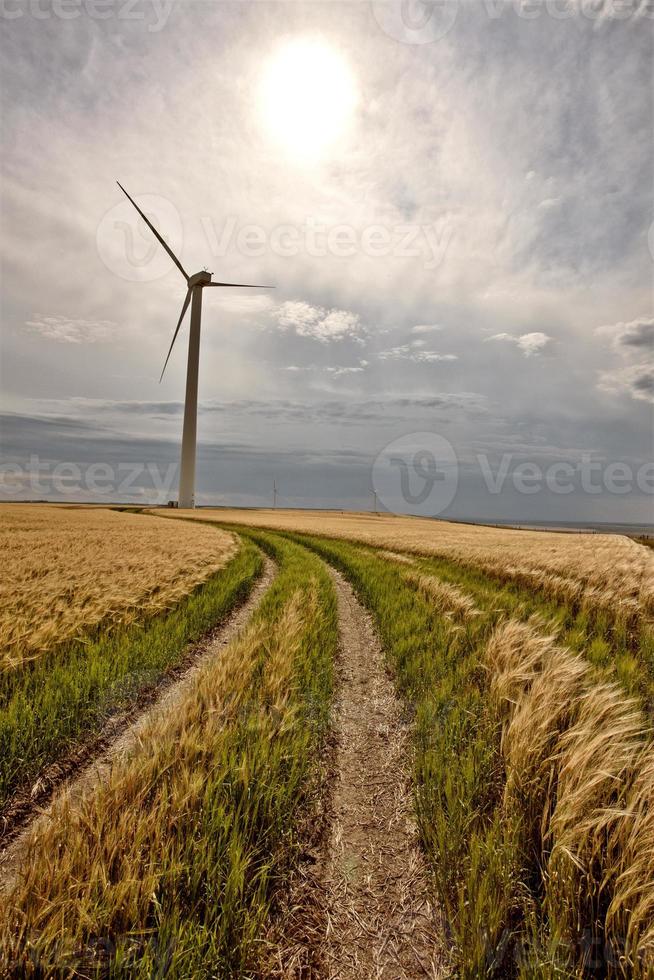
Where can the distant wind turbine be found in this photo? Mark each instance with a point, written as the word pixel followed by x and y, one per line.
pixel 195 284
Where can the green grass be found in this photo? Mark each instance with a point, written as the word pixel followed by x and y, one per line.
pixel 457 768
pixel 485 864
pixel 62 699
pixel 617 653
pixel 213 915
pixel 171 866
pixel 213 804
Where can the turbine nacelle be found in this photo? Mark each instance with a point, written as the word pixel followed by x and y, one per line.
pixel 199 279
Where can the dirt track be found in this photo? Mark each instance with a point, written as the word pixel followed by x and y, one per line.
pixel 359 906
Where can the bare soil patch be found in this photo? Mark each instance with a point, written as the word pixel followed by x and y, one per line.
pixel 360 906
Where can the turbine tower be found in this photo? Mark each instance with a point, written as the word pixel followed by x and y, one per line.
pixel 194 286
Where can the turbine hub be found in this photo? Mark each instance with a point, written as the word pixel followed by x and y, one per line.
pixel 199 279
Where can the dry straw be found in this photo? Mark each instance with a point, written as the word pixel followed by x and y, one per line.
pixel 579 783
pixel 99 860
pixel 450 600
pixel 68 569
pixel 605 571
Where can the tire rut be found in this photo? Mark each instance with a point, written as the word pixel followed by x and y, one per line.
pixel 360 906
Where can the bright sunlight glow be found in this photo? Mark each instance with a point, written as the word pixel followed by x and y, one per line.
pixel 308 97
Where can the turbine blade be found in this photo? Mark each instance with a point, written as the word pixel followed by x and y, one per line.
pixel 155 233
pixel 240 285
pixel 179 323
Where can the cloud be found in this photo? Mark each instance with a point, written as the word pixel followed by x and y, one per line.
pixel 324 325
pixel 66 330
pixel 98 420
pixel 549 203
pixel 356 369
pixel 334 370
pixel 337 371
pixel 89 407
pixel 635 334
pixel 531 344
pixel 631 340
pixel 412 352
pixel 244 304
pixel 371 410
pixel 637 381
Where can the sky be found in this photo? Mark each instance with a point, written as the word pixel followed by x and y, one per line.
pixel 453 201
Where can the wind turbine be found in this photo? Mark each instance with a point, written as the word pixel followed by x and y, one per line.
pixel 194 286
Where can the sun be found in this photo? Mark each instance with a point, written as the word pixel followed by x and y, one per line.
pixel 307 98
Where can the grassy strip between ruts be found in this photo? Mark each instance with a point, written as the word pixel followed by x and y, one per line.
pixel 168 867
pixel 533 789
pixel 64 698
pixel 617 651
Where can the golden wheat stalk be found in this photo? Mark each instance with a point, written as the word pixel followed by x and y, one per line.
pixel 606 571
pixel 580 784
pixel 97 860
pixel 449 599
pixel 68 569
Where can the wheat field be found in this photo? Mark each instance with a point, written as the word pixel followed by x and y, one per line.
pixel 189 825
pixel 531 739
pixel 607 570
pixel 533 772
pixel 68 569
